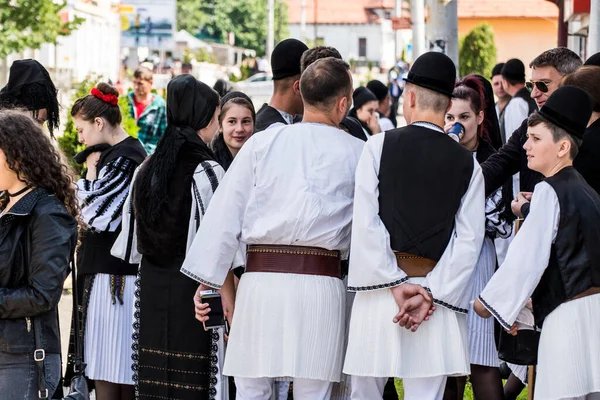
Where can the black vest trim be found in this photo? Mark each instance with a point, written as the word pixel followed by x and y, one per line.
pixel 376 287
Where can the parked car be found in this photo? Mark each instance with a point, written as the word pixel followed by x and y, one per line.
pixel 259 87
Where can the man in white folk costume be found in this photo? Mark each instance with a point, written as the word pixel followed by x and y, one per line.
pixel 555 257
pixel 419 221
pixel 288 196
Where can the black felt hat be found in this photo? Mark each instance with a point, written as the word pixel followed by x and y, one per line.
pixel 378 88
pixel 594 60
pixel 569 108
pixel 362 96
pixel 514 69
pixel 434 71
pixel 285 59
pixel 497 70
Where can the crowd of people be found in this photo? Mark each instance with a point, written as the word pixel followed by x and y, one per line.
pixel 343 250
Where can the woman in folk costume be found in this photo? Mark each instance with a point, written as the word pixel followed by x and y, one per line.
pixel 108 283
pixel 555 258
pixel 174 356
pixel 364 109
pixel 236 125
pixel 30 87
pixel 475 111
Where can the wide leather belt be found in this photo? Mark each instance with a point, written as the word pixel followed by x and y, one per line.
pixel 294 260
pixel 591 291
pixel 414 266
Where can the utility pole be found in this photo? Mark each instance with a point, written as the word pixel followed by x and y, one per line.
pixel 270 27
pixel 303 20
pixel 397 14
pixel 594 34
pixel 442 28
pixel 417 9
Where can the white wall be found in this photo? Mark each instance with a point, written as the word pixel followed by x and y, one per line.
pixel 344 37
pixel 93 49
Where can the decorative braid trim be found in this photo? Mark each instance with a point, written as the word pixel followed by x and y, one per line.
pixel 495 313
pixel 198 279
pixel 301 251
pixel 198 388
pixel 446 305
pixel 377 287
pixel 191 356
pixel 214 365
pixel 136 333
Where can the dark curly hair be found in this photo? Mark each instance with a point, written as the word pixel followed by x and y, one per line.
pixel 34 158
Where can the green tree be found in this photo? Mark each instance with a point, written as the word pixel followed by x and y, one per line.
pixel 27 24
pixel 69 141
pixel 247 19
pixel 477 53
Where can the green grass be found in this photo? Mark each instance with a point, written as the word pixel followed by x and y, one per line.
pixel 468 391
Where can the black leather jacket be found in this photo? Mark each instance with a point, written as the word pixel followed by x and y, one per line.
pixel 37 239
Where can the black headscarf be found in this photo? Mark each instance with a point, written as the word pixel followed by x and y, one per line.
pixel 222 154
pixel 29 86
pixel 191 106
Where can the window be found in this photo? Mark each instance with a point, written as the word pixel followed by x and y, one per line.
pixel 388 15
pixel 362 47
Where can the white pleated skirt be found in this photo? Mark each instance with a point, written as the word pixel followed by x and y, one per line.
pixel 569 351
pixel 377 347
pixel 287 325
pixel 108 333
pixel 482 345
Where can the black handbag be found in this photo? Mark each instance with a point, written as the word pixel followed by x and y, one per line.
pixel 521 349
pixel 78 389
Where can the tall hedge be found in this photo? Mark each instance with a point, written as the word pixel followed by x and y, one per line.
pixel 477 51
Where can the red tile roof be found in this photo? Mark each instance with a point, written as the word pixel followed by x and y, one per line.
pixel 507 9
pixel 358 11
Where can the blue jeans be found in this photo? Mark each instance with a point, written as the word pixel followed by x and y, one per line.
pixel 19 377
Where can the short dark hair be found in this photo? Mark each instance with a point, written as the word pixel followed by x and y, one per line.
pixel 90 107
pixel 316 53
pixel 565 61
pixel 558 133
pixel 514 82
pixel 588 79
pixel 324 81
pixel 143 73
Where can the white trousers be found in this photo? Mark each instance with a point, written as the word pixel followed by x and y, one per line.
pixel 262 389
pixel 369 388
pixel 591 396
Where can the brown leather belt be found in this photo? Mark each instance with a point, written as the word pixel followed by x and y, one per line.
pixel 414 266
pixel 294 260
pixel 591 291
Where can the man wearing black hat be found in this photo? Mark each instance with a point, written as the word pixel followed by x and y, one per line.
pixel 521 105
pixel 286 102
pixel 555 260
pixel 503 98
pixel 383 96
pixel 418 223
pixel 594 60
pixel 30 87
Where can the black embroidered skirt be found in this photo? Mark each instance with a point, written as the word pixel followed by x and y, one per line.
pixel 175 357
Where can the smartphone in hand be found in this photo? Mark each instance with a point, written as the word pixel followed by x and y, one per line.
pixel 216 316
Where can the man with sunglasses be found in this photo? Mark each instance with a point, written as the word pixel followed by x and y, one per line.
pixel 547 70
pixel 521 105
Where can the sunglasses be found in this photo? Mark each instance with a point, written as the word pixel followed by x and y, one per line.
pixel 540 85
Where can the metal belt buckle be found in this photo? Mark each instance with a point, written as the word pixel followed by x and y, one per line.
pixel 39 355
pixel 43 394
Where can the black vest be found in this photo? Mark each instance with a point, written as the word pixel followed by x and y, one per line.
pixel 266 117
pixel 574 264
pixel 423 177
pixel 524 94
